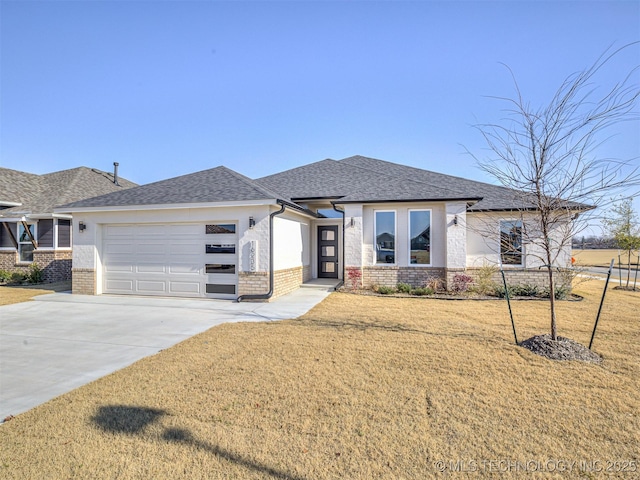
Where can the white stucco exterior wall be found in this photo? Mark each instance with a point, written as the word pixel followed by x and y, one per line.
pixel 483 240
pixel 353 235
pixel 438 232
pixel 291 234
pixel 456 234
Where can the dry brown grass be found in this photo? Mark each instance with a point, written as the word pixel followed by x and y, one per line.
pixel 360 388
pixel 602 257
pixel 17 294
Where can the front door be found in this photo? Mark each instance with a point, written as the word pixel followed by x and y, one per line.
pixel 328 251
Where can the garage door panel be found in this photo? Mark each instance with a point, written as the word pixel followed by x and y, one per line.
pixel 149 286
pixel 185 248
pixel 118 267
pixel 119 285
pixel 185 287
pixel 184 268
pixel 115 248
pixel 150 268
pixel 167 260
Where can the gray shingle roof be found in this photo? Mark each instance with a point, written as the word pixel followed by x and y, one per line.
pixel 493 197
pixel 39 194
pixel 218 184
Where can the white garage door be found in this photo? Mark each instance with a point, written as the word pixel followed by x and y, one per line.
pixel 184 260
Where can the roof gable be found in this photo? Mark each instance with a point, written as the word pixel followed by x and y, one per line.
pixel 208 186
pixel 39 194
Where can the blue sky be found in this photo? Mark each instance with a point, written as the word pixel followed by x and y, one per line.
pixel 167 88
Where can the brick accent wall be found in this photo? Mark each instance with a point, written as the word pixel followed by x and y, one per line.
pixel 83 281
pixel 55 264
pixel 538 277
pixel 8 260
pixel 391 276
pixel 287 280
pixel 306 273
pixel 253 283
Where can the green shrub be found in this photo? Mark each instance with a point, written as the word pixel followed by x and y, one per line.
pixel 422 291
pixel 484 284
pixel 404 288
pixel 5 276
pixel 386 290
pixel 35 275
pixel 17 277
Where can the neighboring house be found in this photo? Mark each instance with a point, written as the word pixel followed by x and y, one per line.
pixel 30 231
pixel 219 234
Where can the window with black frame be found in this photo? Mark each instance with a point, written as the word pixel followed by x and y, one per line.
pixel 511 242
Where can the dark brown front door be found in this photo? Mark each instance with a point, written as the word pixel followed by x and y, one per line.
pixel 328 251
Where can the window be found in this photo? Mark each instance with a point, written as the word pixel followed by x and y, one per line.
pixel 220 288
pixel 221 228
pixel 45 233
pixel 220 248
pixel 511 242
pixel 420 237
pixel 220 268
pixel 385 231
pixel 25 247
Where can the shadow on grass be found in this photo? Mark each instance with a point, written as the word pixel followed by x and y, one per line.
pixel 132 420
pixel 387 327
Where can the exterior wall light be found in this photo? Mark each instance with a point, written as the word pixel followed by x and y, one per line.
pixel 455 219
pixel 82 226
pixel 252 222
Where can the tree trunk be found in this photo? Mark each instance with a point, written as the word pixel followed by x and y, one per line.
pixel 552 303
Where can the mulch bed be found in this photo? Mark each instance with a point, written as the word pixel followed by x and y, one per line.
pixel 572 297
pixel 560 349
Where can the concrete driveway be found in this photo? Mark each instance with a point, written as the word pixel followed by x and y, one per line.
pixel 60 341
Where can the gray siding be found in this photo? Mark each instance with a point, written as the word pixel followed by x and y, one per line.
pixel 45 233
pixel 64 233
pixel 5 238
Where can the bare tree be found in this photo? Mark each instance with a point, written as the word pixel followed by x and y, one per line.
pixel 551 156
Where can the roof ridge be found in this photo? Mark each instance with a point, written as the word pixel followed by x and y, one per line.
pixel 254 184
pixel 399 177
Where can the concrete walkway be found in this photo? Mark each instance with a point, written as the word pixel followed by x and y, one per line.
pixel 59 342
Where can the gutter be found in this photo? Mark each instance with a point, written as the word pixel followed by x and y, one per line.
pixel 269 294
pixel 341 283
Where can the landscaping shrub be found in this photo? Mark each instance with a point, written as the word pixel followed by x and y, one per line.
pixel 422 291
pixel 460 283
pixel 404 288
pixel 35 275
pixel 17 277
pixel 5 276
pixel 354 274
pixel 434 283
pixel 484 284
pixel 384 290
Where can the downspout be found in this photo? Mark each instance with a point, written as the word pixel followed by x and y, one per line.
pixel 269 294
pixel 341 283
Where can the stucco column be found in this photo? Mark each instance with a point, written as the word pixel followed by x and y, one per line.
pixel 353 237
pixel 456 228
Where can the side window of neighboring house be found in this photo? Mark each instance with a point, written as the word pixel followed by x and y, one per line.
pixel 45 233
pixel 64 233
pixel 511 242
pixel 25 246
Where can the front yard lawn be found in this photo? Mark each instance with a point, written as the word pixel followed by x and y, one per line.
pixel 360 387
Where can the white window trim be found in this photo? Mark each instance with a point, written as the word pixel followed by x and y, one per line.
pixel 375 241
pixel 523 253
pixel 35 235
pixel 418 265
pixel 55 235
